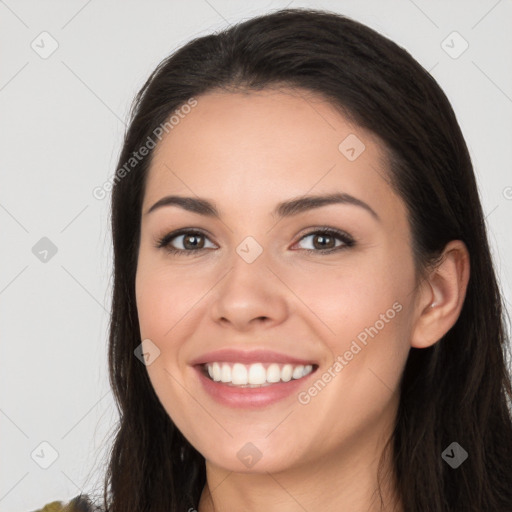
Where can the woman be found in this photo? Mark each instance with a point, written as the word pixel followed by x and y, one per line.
pixel 300 246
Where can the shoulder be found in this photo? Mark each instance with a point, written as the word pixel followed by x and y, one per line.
pixel 80 503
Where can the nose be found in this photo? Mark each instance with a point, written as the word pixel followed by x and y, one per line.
pixel 249 295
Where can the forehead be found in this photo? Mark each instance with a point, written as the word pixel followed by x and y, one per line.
pixel 251 150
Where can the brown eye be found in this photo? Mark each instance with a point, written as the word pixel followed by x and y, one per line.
pixel 325 240
pixel 191 241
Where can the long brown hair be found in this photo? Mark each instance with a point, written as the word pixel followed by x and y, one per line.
pixel 457 390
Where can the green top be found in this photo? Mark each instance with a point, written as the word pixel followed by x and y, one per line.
pixel 54 506
pixel 80 503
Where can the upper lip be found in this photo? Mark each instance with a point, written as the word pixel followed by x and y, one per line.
pixel 248 357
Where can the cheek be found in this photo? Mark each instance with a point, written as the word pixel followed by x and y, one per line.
pixel 349 297
pixel 367 340
pixel 163 298
pixel 163 302
pixel 363 312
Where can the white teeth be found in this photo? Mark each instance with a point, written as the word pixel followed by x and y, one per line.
pixel 239 374
pixel 286 372
pixel 273 373
pixel 297 372
pixel 225 373
pixel 255 375
pixel 216 371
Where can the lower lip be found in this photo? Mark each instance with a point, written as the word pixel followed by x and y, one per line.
pixel 249 398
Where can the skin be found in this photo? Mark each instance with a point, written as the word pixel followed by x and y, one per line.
pixel 247 152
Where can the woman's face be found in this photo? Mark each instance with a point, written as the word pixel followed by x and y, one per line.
pixel 264 277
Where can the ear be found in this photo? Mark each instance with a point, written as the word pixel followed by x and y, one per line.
pixel 441 296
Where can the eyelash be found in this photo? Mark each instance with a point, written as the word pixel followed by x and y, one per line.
pixel 163 243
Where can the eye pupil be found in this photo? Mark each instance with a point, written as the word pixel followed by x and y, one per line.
pixel 322 237
pixel 193 245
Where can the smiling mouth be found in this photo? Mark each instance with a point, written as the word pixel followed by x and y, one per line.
pixel 255 375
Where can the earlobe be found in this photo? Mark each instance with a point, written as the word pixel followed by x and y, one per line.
pixel 442 296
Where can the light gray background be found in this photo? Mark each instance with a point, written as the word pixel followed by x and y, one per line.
pixel 62 121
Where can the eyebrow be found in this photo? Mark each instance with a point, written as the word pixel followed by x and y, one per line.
pixel 285 209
